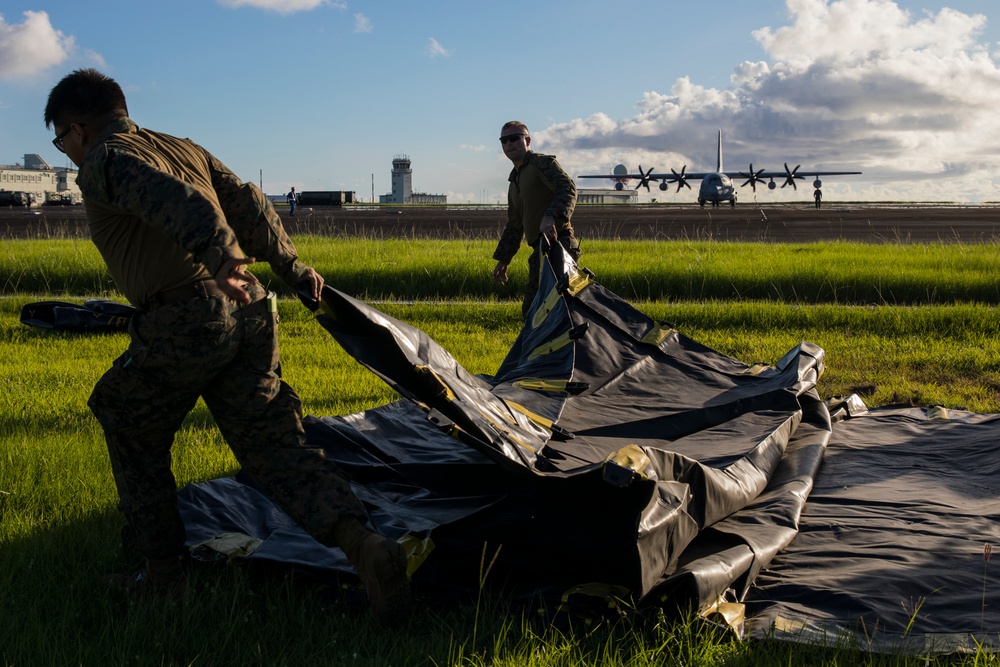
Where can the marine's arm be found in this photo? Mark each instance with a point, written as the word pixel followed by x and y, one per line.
pixel 184 214
pixel 513 232
pixel 259 228
pixel 563 188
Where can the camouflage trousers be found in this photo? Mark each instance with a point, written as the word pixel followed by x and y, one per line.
pixel 568 241
pixel 227 353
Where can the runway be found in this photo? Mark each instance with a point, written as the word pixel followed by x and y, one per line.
pixel 782 223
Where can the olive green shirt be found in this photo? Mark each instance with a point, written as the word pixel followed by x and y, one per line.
pixel 539 187
pixel 163 212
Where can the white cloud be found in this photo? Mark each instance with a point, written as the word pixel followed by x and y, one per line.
pixel 32 46
pixel 434 49
pixel 848 84
pixel 96 58
pixel 362 23
pixel 284 6
pixel 479 148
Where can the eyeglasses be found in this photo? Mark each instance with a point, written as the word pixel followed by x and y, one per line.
pixel 511 137
pixel 58 141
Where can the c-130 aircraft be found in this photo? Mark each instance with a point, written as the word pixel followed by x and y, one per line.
pixel 717 186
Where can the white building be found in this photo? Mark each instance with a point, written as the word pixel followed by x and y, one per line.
pixel 606 196
pixel 402 186
pixel 37 178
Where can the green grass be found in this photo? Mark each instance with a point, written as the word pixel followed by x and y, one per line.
pixel 832 272
pixel 59 526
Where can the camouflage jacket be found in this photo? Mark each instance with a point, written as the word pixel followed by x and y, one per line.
pixel 538 188
pixel 164 212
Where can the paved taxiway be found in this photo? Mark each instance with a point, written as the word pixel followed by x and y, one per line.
pixel 770 223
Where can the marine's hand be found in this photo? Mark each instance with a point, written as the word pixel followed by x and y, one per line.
pixel 500 273
pixel 231 279
pixel 314 281
pixel 548 226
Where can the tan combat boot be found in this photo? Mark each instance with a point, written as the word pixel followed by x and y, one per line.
pixel 381 565
pixel 163 578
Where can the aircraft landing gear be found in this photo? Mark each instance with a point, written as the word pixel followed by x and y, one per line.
pixel 732 203
pixel 701 202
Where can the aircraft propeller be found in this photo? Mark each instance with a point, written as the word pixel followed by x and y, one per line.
pixel 680 179
pixel 753 177
pixel 791 176
pixel 644 178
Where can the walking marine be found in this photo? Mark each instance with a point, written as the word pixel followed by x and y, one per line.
pixel 177 230
pixel 540 200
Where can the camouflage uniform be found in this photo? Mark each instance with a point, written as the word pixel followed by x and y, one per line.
pixel 146 190
pixel 539 187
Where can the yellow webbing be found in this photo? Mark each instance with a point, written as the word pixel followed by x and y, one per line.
pixel 657 334
pixel 445 389
pixel 630 457
pixel 537 418
pixel 551 346
pixel 578 282
pixel 551 299
pixel 938 413
pixel 417 551
pixel 539 384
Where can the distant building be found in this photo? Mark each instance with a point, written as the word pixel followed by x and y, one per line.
pixel 606 196
pixel 402 186
pixel 326 197
pixel 38 179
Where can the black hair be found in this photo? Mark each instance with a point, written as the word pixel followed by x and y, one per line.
pixel 83 95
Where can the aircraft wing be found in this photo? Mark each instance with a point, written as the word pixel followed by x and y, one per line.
pixel 651 177
pixel 782 174
pixel 730 174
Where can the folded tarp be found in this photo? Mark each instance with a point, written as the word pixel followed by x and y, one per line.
pixel 611 455
pixel 96 315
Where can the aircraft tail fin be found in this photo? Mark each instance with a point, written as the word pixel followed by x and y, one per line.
pixel 718 167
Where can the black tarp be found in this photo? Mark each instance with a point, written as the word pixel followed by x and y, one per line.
pixel 96 315
pixel 890 550
pixel 611 453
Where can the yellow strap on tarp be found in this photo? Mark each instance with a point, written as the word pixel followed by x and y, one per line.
pixel 627 463
pixel 730 614
pixel 551 299
pixel 445 389
pixel 539 384
pixel 578 282
pixel 231 545
pixel 535 417
pixel 657 334
pixel 417 551
pixel 551 346
pixel 325 309
pixel 938 413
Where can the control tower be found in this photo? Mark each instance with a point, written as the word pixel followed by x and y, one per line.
pixel 402 180
pixel 402 186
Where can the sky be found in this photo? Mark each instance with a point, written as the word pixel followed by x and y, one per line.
pixel 323 94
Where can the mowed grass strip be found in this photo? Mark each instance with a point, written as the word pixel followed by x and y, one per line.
pixel 427 269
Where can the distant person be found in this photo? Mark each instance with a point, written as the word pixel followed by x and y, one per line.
pixel 818 196
pixel 540 200
pixel 177 230
pixel 291 197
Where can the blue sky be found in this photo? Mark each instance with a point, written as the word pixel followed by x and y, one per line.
pixel 322 94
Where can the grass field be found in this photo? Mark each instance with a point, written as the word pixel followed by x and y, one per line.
pixel 900 325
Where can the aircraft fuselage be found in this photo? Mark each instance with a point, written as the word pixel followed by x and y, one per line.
pixel 717 188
